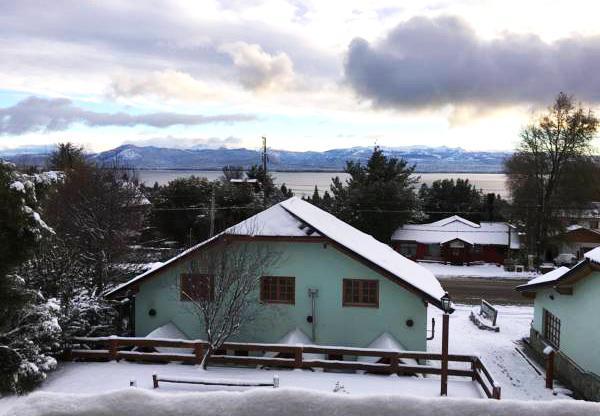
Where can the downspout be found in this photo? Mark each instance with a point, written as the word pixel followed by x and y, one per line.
pixel 429 338
pixel 312 319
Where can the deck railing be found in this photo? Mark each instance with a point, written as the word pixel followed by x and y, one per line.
pixel 291 356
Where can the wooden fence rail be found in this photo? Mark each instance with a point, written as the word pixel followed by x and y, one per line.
pixel 291 356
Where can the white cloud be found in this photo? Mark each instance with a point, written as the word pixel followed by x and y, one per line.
pixel 257 69
pixel 168 84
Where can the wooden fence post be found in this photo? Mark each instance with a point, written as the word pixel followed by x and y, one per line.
pixel 198 352
pixel 298 357
pixel 112 349
pixel 550 370
pixel 496 392
pixel 474 367
pixel 394 364
pixel 155 380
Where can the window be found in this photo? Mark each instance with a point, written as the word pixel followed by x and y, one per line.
pixel 594 224
pixel 408 249
pixel 552 329
pixel 361 292
pixel 278 289
pixel 434 250
pixel 196 287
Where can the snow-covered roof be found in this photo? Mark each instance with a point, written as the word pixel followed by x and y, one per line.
pixel 297 218
pixel 547 277
pixel 564 275
pixel 593 255
pixel 455 227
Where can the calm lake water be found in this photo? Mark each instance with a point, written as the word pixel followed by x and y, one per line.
pixel 303 183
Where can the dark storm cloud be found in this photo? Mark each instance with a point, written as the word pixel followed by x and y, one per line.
pixel 432 62
pixel 41 114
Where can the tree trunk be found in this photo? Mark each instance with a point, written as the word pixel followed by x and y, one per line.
pixel 207 353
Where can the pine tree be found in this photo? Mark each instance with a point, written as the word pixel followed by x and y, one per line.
pixel 378 197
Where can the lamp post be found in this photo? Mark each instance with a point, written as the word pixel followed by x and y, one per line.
pixel 446 306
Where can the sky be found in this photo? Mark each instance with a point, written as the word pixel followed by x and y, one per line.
pixel 308 75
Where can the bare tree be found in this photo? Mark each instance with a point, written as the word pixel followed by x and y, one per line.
pixel 539 171
pixel 222 287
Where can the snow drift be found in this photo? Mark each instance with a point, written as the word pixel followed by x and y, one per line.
pixel 278 402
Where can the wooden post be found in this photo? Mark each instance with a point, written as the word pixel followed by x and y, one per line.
pixel 445 324
pixel 112 349
pixel 394 364
pixel 155 380
pixel 550 370
pixel 198 352
pixel 298 357
pixel 496 392
pixel 474 367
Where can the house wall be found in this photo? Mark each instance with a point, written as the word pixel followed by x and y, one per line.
pixel 314 265
pixel 486 253
pixel 579 316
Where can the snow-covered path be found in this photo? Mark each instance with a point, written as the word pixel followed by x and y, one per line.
pixel 497 349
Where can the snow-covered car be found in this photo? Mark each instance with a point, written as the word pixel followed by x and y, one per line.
pixel 565 259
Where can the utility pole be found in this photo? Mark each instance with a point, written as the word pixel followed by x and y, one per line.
pixel 264 166
pixel 212 212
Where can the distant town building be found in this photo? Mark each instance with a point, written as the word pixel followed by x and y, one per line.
pixel 577 240
pixel 456 240
pixel 566 320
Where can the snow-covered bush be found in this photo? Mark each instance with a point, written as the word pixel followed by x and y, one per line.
pixel 27 351
pixel 88 314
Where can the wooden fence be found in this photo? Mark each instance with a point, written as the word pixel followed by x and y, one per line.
pixel 291 356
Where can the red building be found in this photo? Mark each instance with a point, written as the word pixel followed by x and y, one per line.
pixel 456 240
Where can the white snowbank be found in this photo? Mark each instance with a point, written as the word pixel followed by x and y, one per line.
pixel 385 341
pixel 278 402
pixel 298 337
pixel 170 331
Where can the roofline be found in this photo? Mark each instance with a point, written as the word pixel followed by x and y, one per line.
pixel 384 272
pixel 206 243
pixel 552 283
pixel 119 291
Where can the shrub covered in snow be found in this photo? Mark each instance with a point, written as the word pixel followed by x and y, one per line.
pixel 27 350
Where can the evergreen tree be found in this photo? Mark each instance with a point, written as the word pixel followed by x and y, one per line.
pixel 378 197
pixel 447 197
pixel 67 156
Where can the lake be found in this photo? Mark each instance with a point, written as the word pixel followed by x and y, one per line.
pixel 303 183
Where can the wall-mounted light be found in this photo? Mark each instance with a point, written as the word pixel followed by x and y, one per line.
pixel 410 323
pixel 152 312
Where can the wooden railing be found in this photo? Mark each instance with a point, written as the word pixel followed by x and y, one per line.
pixel 389 361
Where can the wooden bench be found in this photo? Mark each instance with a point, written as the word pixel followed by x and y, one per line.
pixel 216 382
pixel 486 317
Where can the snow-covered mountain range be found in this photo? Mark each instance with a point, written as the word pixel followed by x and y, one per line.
pixel 427 159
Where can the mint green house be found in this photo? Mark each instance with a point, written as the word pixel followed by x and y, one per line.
pixel 332 284
pixel 567 319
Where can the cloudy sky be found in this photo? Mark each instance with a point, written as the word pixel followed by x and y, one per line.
pixel 307 74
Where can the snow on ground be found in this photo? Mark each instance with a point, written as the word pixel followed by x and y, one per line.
pixel 488 270
pixel 496 349
pixel 96 378
pixel 278 402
